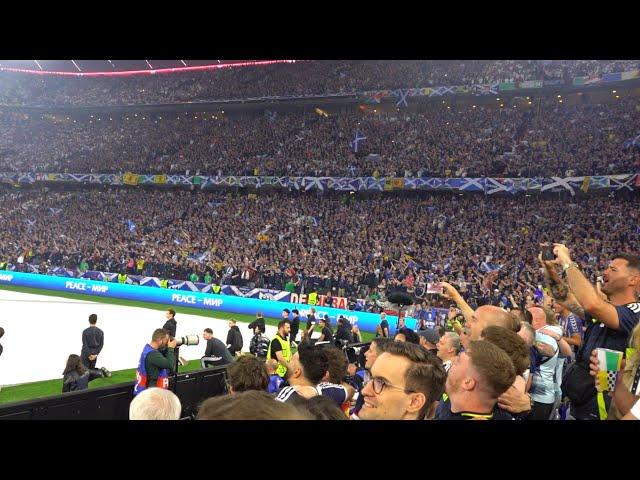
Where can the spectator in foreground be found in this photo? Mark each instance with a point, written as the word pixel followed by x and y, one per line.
pixel 475 381
pixel 406 383
pixel 249 405
pixel 247 373
pixel 155 404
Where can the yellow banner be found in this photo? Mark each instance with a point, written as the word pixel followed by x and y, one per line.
pixel 160 179
pixel 585 184
pixel 130 178
pixel 397 182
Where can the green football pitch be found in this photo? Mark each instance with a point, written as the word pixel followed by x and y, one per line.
pixel 28 391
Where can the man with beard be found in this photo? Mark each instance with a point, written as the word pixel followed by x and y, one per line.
pixel 280 348
pixel 609 323
pixel 306 369
pixel 154 367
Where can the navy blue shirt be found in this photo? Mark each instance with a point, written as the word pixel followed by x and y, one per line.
pixel 600 336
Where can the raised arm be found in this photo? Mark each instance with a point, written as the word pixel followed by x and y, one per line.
pixel 452 294
pixel 584 292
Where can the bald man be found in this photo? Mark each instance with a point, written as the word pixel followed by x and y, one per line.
pixel 486 316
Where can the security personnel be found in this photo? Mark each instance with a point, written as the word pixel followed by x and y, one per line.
pixel 280 349
pixel 122 278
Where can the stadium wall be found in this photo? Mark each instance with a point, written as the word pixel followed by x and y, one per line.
pixel 206 301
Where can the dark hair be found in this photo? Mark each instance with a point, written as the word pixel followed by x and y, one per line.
pixel 338 363
pixel 248 373
pixel 208 330
pixel 1 332
pixel 512 343
pixel 74 364
pixel 93 318
pixel 411 336
pixel 321 408
pixel 281 323
pixel 632 260
pixel 159 334
pixel 382 343
pixel 314 362
pixel 494 365
pixel 249 405
pixel 171 311
pixel 295 310
pixel 286 310
pixel 426 374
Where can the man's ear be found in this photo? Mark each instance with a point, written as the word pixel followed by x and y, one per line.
pixel 418 400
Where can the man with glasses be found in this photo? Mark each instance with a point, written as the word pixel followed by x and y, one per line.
pixel 406 382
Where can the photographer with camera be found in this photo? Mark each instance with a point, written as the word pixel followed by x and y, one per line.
pixel 154 366
pixel 609 323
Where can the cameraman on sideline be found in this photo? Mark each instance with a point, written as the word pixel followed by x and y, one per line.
pixel 154 367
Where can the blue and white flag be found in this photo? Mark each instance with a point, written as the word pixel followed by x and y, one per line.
pixel 358 138
pixel 131 226
pixel 314 221
pixel 632 142
pixel 55 211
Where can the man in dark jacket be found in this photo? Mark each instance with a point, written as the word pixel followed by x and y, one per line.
pixel 234 338
pixel 171 324
pixel 258 323
pixel 295 326
pixel 92 343
pixel 216 352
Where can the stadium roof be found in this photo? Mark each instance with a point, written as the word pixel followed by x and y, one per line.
pixel 122 67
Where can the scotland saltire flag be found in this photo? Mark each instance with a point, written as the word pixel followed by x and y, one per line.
pixel 358 138
pixel 131 226
pixel 632 142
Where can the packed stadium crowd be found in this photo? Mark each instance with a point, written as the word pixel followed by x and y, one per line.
pixel 515 320
pixel 298 79
pixel 549 139
pixel 353 247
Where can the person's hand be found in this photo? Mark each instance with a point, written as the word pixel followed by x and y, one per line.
pixel 172 343
pixel 449 290
pixel 92 357
pixel 593 363
pixel 562 254
pixel 514 401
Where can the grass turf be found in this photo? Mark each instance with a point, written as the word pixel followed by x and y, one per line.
pixel 28 391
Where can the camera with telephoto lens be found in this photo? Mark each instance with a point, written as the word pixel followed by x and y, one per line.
pixel 187 340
